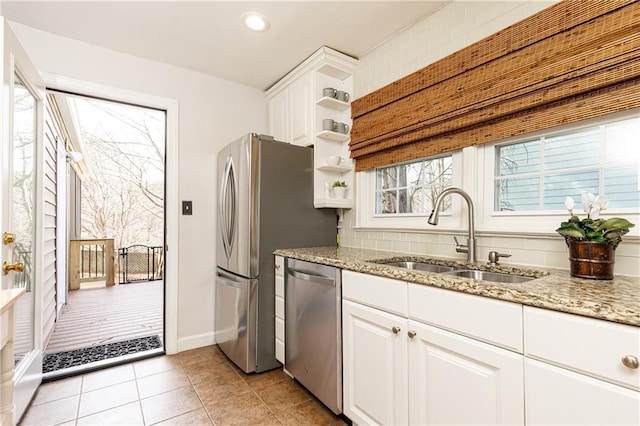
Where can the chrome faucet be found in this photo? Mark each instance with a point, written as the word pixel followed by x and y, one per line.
pixel 470 248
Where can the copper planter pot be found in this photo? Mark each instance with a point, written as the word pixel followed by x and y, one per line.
pixel 592 260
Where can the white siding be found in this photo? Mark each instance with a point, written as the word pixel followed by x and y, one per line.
pixel 54 128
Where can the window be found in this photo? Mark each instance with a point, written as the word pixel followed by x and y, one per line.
pixel 537 174
pixel 411 188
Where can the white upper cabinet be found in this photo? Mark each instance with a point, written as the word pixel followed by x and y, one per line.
pixel 278 116
pixel 297 107
pixel 301 110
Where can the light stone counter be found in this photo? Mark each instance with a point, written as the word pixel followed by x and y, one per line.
pixel 617 300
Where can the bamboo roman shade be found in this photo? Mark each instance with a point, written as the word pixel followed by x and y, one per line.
pixel 573 61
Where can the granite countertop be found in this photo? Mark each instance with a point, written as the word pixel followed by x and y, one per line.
pixel 616 300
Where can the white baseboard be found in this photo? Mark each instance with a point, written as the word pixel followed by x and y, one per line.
pixel 195 341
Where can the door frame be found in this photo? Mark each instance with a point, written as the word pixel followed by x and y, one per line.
pixel 171 106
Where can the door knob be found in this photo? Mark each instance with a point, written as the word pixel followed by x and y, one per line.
pixel 18 267
pixel 411 334
pixel 8 238
pixel 396 330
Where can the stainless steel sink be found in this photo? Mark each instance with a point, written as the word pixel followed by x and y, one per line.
pixel 419 266
pixel 489 276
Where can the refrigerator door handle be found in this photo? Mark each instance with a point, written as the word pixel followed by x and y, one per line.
pixel 228 207
pixel 313 278
pixel 229 279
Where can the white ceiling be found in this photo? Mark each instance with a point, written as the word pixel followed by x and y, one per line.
pixel 208 36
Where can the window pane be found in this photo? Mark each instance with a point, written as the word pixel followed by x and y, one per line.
pixel 386 178
pixel 386 202
pixel 602 159
pixel 402 201
pixel 572 149
pixel 622 141
pixel 518 194
pixel 412 187
pixel 622 187
pixel 518 158
pixel 560 186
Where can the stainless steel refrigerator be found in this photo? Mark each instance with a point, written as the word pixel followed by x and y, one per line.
pixel 265 202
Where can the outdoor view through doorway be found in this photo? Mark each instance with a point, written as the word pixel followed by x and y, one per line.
pixel 115 191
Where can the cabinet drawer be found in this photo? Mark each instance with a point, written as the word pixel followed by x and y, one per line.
pixel 280 328
pixel 384 293
pixel 279 307
pixel 493 321
pixel 587 345
pixel 279 266
pixel 279 286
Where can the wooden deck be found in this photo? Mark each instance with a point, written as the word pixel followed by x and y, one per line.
pixel 96 316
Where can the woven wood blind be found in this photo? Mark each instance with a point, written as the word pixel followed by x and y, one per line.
pixel 573 61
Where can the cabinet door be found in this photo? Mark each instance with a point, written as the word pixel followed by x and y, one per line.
pixel 301 105
pixel 558 396
pixel 457 380
pixel 278 109
pixel 374 365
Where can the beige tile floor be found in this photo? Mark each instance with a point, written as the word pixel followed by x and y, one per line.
pixel 196 387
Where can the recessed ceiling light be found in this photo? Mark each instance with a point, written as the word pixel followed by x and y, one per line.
pixel 255 21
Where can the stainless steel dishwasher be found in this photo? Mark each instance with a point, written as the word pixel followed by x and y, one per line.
pixel 313 329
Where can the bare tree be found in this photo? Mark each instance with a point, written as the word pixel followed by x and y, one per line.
pixel 123 196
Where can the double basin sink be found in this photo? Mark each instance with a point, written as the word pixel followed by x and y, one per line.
pixel 498 277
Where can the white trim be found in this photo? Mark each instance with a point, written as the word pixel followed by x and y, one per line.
pixel 195 341
pixel 171 106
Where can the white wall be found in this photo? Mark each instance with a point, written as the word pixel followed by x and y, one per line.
pixel 212 112
pixel 448 30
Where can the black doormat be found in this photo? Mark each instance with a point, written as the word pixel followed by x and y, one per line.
pixel 61 360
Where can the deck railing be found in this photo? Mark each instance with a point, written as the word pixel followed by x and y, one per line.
pixel 140 263
pixel 91 261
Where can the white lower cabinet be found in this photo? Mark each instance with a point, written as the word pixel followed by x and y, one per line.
pixel 457 380
pixel 401 371
pixel 556 396
pixel 374 365
pixel 580 371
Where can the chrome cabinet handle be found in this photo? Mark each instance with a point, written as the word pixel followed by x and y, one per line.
pixel 411 334
pixel 630 361
pixel 277 266
pixel 396 330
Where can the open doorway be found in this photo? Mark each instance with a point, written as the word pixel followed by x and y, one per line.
pixel 110 245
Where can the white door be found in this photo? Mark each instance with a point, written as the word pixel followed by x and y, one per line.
pixel 22 105
pixel 457 380
pixel 374 348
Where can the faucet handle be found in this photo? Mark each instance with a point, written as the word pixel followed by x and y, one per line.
pixel 460 248
pixel 494 256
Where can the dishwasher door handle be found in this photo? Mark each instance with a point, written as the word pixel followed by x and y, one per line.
pixel 313 278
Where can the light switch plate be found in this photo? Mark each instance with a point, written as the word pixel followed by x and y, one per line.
pixel 187 208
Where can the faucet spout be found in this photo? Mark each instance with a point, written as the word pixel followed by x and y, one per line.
pixel 470 248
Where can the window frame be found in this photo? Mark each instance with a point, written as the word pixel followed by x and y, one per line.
pixel 537 221
pixel 478 163
pixel 366 216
